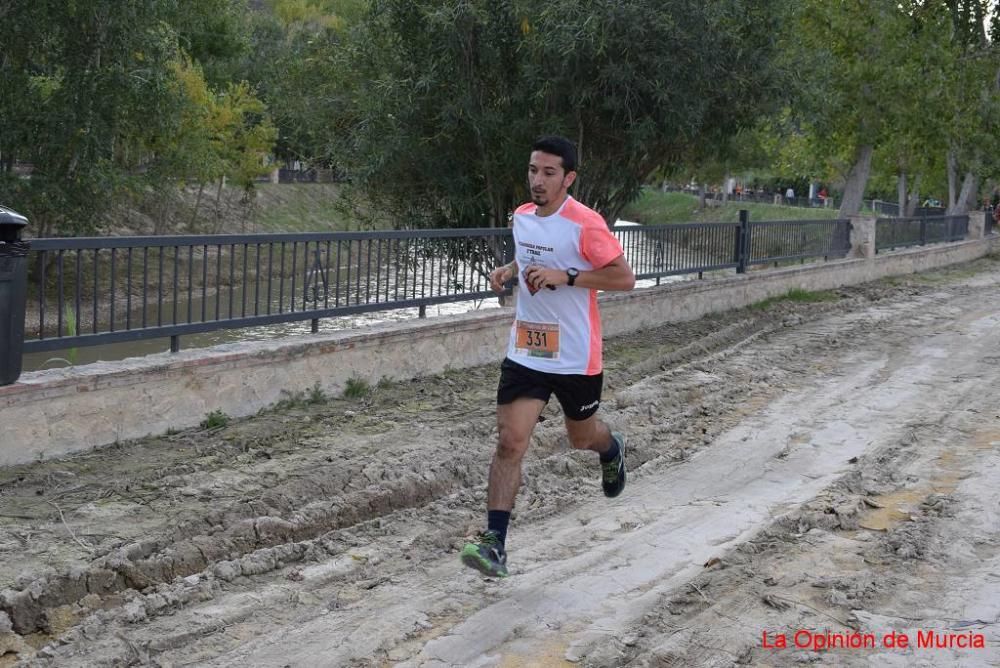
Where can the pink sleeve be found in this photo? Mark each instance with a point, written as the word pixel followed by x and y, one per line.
pixel 598 246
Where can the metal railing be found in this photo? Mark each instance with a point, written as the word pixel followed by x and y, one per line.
pixel 94 291
pixel 891 233
pixel 758 197
pixel 891 209
pixel 106 290
pixel 788 240
pixel 658 251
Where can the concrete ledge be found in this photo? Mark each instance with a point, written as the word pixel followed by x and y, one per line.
pixel 61 411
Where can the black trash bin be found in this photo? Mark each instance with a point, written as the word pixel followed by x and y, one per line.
pixel 13 293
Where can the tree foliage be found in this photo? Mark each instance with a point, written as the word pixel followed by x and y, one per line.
pixel 894 86
pixel 90 95
pixel 445 97
pixel 294 63
pixel 214 133
pixel 428 107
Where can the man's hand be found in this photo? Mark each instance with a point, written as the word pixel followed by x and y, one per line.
pixel 499 276
pixel 540 277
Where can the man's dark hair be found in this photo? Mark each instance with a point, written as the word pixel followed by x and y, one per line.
pixel 556 145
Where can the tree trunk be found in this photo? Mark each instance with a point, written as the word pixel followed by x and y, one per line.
pixel 193 226
pixel 857 179
pixel 970 187
pixel 901 193
pixel 961 205
pixel 914 201
pixel 701 196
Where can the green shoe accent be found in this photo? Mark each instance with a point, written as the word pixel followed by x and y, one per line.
pixel 486 555
pixel 613 472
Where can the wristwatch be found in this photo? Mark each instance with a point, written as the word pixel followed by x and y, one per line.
pixel 571 275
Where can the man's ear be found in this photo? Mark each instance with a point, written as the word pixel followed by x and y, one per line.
pixel 569 179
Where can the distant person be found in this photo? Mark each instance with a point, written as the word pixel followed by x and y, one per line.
pixel 824 197
pixel 790 195
pixel 564 254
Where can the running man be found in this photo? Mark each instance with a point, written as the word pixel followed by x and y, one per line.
pixel 564 254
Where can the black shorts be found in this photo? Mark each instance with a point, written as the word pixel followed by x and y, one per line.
pixel 579 395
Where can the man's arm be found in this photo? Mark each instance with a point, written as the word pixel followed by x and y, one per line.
pixel 616 275
pixel 501 275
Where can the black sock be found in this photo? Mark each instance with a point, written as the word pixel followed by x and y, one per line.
pixel 497 520
pixel 611 453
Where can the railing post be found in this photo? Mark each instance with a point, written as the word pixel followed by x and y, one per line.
pixel 862 237
pixel 13 293
pixel 977 225
pixel 743 242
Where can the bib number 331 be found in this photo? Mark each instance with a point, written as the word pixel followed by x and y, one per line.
pixel 538 339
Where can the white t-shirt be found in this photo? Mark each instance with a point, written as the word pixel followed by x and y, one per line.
pixel 559 331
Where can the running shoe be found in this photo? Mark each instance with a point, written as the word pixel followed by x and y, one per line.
pixel 613 472
pixel 486 555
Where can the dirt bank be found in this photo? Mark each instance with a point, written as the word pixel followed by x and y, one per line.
pixel 827 466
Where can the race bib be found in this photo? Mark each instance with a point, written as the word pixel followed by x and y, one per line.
pixel 537 339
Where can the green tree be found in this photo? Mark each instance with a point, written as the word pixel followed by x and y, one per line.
pixel 89 90
pixel 848 55
pixel 972 132
pixel 886 85
pixel 76 83
pixel 293 64
pixel 213 136
pixel 444 98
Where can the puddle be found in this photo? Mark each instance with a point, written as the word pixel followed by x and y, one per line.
pixel 951 467
pixel 896 508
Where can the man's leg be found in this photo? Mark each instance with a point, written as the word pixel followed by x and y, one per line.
pixel 515 422
pixel 589 434
pixel 592 434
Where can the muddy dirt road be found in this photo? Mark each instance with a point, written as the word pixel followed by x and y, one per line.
pixel 802 473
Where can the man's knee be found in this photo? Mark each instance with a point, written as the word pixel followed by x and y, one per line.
pixel 511 446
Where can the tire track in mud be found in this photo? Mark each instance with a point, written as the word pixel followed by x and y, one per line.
pixel 308 514
pixel 874 553
pixel 803 439
pixel 300 504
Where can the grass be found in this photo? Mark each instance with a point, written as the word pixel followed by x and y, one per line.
pixel 797 295
pixel 71 330
pixel 658 208
pixel 300 399
pixel 215 420
pixel 357 388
